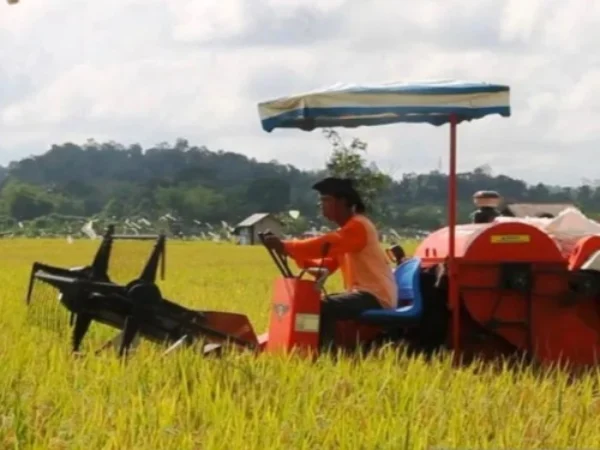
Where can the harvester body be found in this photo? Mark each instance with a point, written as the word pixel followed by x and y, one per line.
pixel 522 291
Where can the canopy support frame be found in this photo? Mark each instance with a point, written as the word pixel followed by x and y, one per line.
pixel 452 214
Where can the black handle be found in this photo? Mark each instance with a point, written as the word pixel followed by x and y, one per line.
pixel 278 259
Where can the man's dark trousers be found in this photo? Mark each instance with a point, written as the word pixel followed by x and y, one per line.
pixel 343 306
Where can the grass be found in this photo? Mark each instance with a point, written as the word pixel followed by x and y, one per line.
pixel 50 400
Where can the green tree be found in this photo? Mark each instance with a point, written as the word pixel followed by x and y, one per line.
pixel 25 202
pixel 194 183
pixel 347 161
pixel 270 195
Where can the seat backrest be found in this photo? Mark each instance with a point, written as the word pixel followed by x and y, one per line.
pixel 407 276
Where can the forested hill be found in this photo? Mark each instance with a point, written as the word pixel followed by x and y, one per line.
pixel 195 183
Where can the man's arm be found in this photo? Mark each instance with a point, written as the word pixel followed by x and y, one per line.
pixel 350 238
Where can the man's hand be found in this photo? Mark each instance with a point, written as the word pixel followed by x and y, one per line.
pixel 274 243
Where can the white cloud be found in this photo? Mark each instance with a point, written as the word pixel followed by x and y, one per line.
pixel 152 70
pixel 520 19
pixel 208 19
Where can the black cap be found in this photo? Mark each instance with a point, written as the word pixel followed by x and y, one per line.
pixel 340 188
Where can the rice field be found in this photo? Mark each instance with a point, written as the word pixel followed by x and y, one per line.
pixel 51 400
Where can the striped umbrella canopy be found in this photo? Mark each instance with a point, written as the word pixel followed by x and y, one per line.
pixel 354 105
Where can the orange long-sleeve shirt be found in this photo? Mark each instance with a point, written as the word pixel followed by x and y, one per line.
pixel 355 250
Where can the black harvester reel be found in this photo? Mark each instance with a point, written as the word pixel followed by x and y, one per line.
pixel 138 308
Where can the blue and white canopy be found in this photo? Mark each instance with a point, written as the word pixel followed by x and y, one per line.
pixel 344 105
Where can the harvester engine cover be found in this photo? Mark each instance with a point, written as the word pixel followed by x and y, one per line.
pixel 529 284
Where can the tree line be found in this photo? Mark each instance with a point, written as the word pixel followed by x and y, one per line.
pixel 194 183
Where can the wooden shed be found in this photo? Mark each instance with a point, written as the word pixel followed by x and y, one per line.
pixel 534 209
pixel 248 229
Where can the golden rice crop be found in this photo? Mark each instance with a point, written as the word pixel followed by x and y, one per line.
pixel 51 400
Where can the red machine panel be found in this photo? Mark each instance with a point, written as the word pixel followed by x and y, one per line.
pixel 435 246
pixel 585 247
pixel 294 322
pixel 500 240
pixel 513 280
pixel 511 242
pixel 536 318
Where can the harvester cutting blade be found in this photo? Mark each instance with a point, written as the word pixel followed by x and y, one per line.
pixel 130 331
pixel 82 325
pixel 66 286
pixel 137 245
pixel 98 270
pixel 184 340
pixel 137 308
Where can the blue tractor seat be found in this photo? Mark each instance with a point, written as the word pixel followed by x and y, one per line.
pixel 408 281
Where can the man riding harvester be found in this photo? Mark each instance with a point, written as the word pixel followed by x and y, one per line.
pixel 354 249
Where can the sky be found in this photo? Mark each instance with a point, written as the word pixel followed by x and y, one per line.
pixel 151 71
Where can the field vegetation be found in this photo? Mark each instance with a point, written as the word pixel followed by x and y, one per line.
pixel 51 400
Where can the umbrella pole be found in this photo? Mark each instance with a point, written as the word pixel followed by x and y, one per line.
pixel 452 281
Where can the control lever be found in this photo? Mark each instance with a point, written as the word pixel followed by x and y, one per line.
pixel 278 258
pixel 320 274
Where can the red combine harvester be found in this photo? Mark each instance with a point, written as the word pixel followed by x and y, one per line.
pixel 503 287
pixel 519 294
pixel 487 289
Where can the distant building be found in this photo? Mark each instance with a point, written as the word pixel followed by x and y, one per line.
pixel 248 229
pixel 534 209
